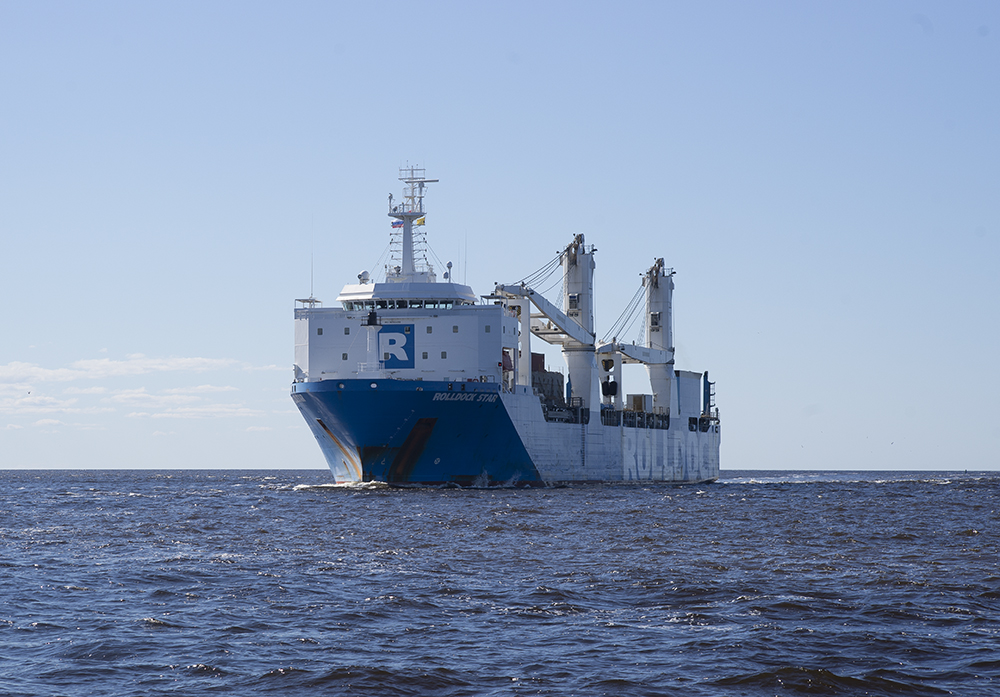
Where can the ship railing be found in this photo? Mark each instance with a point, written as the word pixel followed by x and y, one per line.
pixel 407 208
pixel 567 414
pixel 707 421
pixel 560 414
pixel 375 368
pixel 634 419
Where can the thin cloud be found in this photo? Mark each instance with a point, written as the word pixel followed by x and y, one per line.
pixel 140 398
pixel 201 389
pixel 138 364
pixel 47 423
pixel 20 397
pixel 14 388
pixel 85 390
pixel 206 411
pixel 42 404
pixel 21 373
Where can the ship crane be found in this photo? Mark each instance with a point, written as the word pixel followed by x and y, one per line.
pixel 572 327
pixel 658 352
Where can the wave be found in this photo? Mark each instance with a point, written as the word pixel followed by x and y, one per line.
pixel 814 681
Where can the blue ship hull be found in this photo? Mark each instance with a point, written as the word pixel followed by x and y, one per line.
pixel 409 432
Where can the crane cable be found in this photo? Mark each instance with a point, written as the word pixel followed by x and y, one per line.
pixel 627 318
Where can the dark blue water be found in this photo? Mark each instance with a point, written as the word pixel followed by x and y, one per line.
pixel 230 582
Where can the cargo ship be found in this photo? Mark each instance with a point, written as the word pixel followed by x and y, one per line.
pixel 413 381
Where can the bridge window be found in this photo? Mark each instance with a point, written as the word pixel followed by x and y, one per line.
pixel 455 329
pixel 425 355
pixel 487 329
pixel 444 354
pixel 429 329
pixel 319 331
pixel 347 330
pixel 343 356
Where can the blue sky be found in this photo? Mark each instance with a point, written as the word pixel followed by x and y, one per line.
pixel 823 177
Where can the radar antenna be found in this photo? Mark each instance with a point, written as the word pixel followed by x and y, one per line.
pixel 410 212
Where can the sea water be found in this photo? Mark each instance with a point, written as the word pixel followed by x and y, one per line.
pixel 253 582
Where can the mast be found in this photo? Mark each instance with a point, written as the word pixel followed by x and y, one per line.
pixel 409 211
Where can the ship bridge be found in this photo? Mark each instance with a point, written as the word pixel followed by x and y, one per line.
pixel 368 296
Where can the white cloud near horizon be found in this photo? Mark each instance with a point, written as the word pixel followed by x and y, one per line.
pixel 201 389
pixel 138 397
pixel 205 411
pixel 21 373
pixel 20 396
pixel 42 404
pixel 85 390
